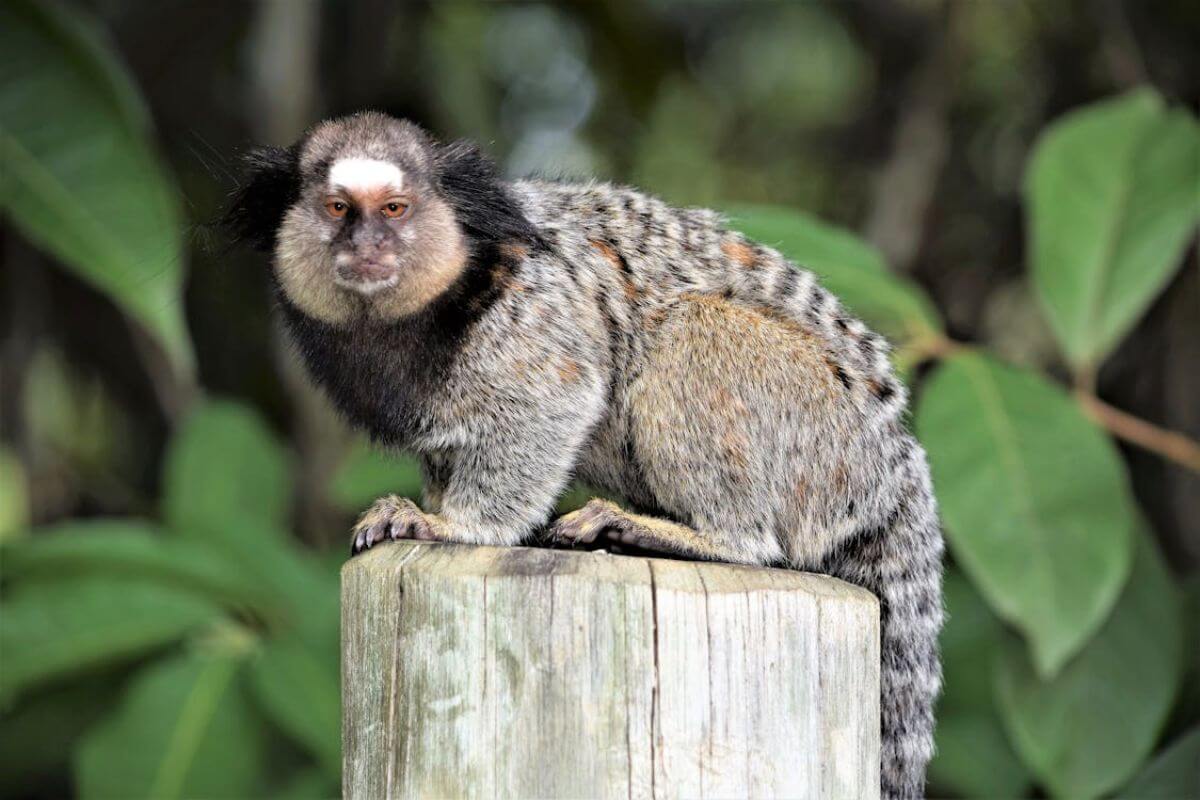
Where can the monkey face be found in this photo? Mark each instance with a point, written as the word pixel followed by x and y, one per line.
pixel 362 230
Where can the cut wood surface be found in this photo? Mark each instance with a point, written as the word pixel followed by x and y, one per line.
pixel 527 672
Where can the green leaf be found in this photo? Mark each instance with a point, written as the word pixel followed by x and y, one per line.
pixel 1187 708
pixel 1113 193
pixel 846 266
pixel 1173 774
pixel 14 497
pixel 806 239
pixel 289 668
pixel 132 549
pixel 37 737
pixel 225 474
pixel 367 473
pixel 1086 731
pixel 184 729
pixel 1034 497
pixel 973 757
pixel 81 179
pixel 50 630
pixel 309 783
pixel 228 487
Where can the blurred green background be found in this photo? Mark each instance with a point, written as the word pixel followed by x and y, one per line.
pixel 1010 190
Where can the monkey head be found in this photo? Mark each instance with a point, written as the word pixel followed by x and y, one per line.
pixel 367 217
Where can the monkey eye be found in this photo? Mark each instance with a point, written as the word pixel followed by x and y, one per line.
pixel 336 208
pixel 395 209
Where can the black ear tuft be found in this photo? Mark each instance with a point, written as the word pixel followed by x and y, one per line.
pixel 485 209
pixel 271 186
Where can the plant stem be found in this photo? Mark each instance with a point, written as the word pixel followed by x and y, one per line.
pixel 175 394
pixel 1168 444
pixel 1171 445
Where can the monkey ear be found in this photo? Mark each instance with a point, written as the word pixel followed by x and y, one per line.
pixel 271 186
pixel 486 211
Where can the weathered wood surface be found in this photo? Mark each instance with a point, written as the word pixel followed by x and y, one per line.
pixel 523 672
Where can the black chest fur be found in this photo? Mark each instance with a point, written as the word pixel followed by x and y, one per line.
pixel 383 378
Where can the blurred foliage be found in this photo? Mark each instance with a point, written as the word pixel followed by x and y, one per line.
pixel 1113 200
pixel 974 754
pixel 367 473
pixel 1174 773
pixel 81 178
pixel 242 622
pixel 1033 498
pixel 164 632
pixel 1087 729
pixel 14 494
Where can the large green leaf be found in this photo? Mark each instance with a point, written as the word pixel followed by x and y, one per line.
pixel 80 178
pixel 37 736
pixel 226 474
pixel 1088 729
pixel 1034 497
pixel 1113 195
pixel 367 473
pixel 52 629
pixel 122 548
pixel 309 783
pixel 1174 773
pixel 973 757
pixel 846 266
pixel 228 487
pixel 289 668
pixel 304 584
pixel 184 729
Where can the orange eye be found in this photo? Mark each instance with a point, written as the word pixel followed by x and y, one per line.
pixel 337 209
pixel 395 209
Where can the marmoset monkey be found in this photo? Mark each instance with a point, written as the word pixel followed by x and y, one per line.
pixel 515 335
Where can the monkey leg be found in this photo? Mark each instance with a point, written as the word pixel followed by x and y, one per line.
pixel 739 427
pixel 605 519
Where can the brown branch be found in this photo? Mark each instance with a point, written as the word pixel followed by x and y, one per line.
pixel 926 347
pixel 1170 445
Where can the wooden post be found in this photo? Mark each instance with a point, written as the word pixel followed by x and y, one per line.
pixel 524 672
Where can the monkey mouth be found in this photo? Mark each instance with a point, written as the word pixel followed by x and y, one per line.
pixel 366 277
pixel 368 287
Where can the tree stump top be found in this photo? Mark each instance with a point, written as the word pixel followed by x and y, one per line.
pixel 524 672
pixel 449 560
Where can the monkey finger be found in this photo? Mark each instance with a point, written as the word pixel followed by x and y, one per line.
pixel 579 527
pixel 358 542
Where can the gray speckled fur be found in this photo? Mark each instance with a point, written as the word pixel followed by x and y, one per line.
pixel 650 352
pixel 622 356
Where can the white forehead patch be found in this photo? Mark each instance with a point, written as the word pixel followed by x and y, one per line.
pixel 365 174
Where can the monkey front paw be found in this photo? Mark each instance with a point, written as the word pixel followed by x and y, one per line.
pixel 390 517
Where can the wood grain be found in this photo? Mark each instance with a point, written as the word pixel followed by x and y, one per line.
pixel 525 672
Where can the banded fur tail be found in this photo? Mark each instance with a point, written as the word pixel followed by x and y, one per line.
pixel 901 562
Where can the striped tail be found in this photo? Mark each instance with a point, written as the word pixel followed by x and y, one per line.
pixel 901 562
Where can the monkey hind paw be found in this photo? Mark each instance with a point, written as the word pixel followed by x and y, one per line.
pixel 391 518
pixel 599 521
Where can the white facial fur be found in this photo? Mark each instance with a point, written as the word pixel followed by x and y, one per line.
pixel 365 175
pixel 435 254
